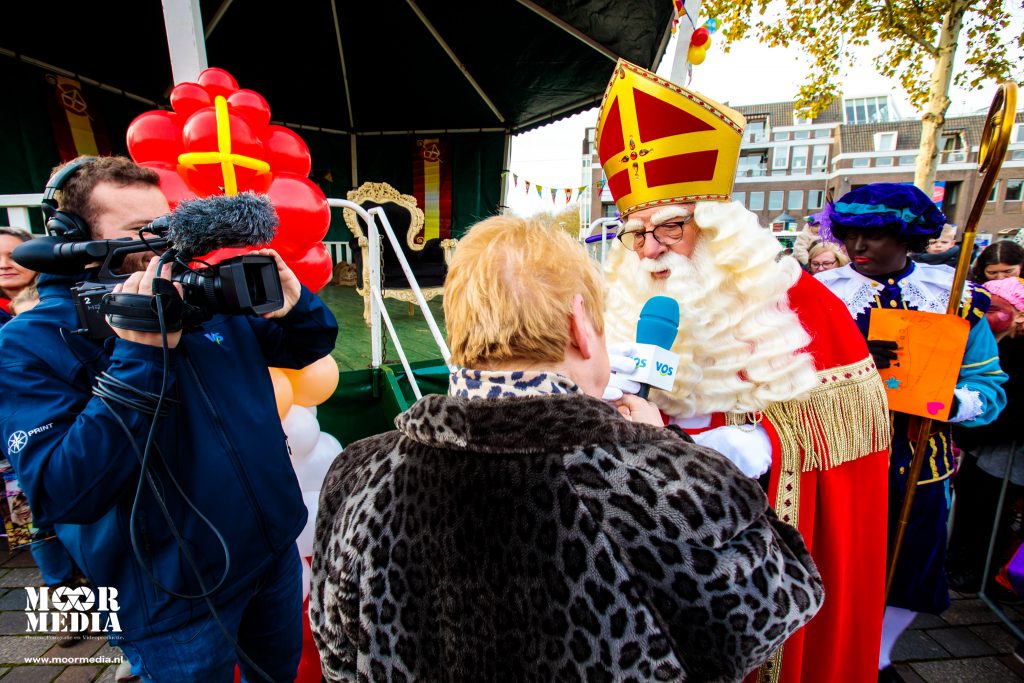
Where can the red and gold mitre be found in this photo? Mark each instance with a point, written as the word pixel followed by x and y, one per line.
pixel 662 144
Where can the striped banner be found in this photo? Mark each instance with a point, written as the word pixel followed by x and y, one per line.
pixel 74 126
pixel 432 187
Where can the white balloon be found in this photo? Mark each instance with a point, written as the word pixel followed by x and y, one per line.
pixel 312 470
pixel 305 539
pixel 302 430
pixel 311 409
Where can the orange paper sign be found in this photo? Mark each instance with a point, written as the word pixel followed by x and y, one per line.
pixel 931 349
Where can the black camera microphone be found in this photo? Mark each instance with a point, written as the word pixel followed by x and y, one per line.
pixel 57 256
pixel 199 226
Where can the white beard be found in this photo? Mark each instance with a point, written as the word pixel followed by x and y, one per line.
pixel 736 354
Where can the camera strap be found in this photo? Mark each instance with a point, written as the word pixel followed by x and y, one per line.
pixel 138 312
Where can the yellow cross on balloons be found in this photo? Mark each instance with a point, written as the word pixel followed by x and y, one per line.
pixel 223 155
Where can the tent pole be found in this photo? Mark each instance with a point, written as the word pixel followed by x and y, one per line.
pixel 505 160
pixel 341 58
pixel 455 60
pixel 354 140
pixel 571 30
pixel 184 26
pixel 680 60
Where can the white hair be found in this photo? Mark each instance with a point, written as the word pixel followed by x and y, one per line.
pixel 740 345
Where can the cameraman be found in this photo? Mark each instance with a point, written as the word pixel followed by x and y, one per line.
pixel 219 462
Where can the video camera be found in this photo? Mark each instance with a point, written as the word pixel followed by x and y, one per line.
pixel 249 284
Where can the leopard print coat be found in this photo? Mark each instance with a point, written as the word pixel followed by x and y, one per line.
pixel 548 539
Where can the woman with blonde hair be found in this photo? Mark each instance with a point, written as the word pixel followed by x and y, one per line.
pixel 520 528
pixel 825 255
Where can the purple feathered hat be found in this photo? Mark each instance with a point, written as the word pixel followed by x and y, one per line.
pixel 901 209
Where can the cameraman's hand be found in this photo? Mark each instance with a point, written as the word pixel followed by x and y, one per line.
pixel 142 283
pixel 290 285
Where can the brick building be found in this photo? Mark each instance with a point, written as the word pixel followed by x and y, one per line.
pixel 788 167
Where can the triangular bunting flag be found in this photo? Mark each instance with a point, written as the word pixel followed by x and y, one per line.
pixel 554 193
pixel 568 194
pixel 540 190
pixel 515 180
pixel 527 183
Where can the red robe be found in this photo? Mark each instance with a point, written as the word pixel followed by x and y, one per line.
pixel 835 492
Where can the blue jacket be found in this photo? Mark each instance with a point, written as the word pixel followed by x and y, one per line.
pixel 222 441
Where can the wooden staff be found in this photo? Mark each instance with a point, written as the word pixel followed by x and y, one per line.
pixel 994 139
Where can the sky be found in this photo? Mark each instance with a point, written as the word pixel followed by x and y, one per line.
pixel 749 74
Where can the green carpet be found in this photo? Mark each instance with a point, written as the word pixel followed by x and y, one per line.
pixel 353 348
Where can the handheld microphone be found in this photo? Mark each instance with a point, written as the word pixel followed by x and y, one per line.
pixel 199 226
pixel 655 333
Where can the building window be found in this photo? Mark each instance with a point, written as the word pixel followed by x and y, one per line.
pixel 1017 155
pixel 756 201
pixel 775 200
pixel 797 121
pixel 815 198
pixel 885 142
pixel 868 110
pixel 1018 133
pixel 883 161
pixel 780 158
pixel 952 148
pixel 610 211
pixel 819 160
pixel 1013 190
pixel 861 162
pixel 908 160
pixel 755 131
pixel 781 136
pixel 796 200
pixel 995 190
pixel 752 165
pixel 823 133
pixel 801 134
pixel 799 164
pixel 740 197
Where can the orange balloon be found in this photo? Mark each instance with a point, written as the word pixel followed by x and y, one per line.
pixel 283 392
pixel 314 383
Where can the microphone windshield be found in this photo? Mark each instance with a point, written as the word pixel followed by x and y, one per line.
pixel 199 226
pixel 659 322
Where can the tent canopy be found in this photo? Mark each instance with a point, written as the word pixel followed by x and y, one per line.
pixel 381 66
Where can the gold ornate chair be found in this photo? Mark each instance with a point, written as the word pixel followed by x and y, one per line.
pixel 428 259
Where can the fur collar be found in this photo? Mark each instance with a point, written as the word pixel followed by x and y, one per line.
pixel 527 424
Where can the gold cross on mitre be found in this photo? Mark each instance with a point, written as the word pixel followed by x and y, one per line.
pixel 223 155
pixel 662 144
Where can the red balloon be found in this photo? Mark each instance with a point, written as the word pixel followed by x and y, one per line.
pixel 286 151
pixel 314 268
pixel 251 106
pixel 155 136
pixel 303 213
pixel 700 37
pixel 221 255
pixel 217 82
pixel 188 98
pixel 200 135
pixel 171 184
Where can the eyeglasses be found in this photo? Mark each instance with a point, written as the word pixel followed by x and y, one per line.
pixel 666 234
pixel 823 265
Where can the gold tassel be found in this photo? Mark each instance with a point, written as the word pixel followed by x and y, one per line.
pixel 844 418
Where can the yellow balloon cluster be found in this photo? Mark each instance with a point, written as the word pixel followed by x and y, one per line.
pixel 308 387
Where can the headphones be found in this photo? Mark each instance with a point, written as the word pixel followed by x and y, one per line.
pixel 64 224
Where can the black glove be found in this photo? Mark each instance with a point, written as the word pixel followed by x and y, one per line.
pixel 882 352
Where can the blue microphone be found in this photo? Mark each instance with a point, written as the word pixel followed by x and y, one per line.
pixel 656 331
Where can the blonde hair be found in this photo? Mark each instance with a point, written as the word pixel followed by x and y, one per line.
pixel 739 343
pixel 509 292
pixel 823 245
pixel 26 299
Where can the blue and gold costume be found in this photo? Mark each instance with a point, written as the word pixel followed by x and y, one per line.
pixel 920 581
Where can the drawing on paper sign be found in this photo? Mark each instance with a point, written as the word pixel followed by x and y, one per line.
pixel 930 350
